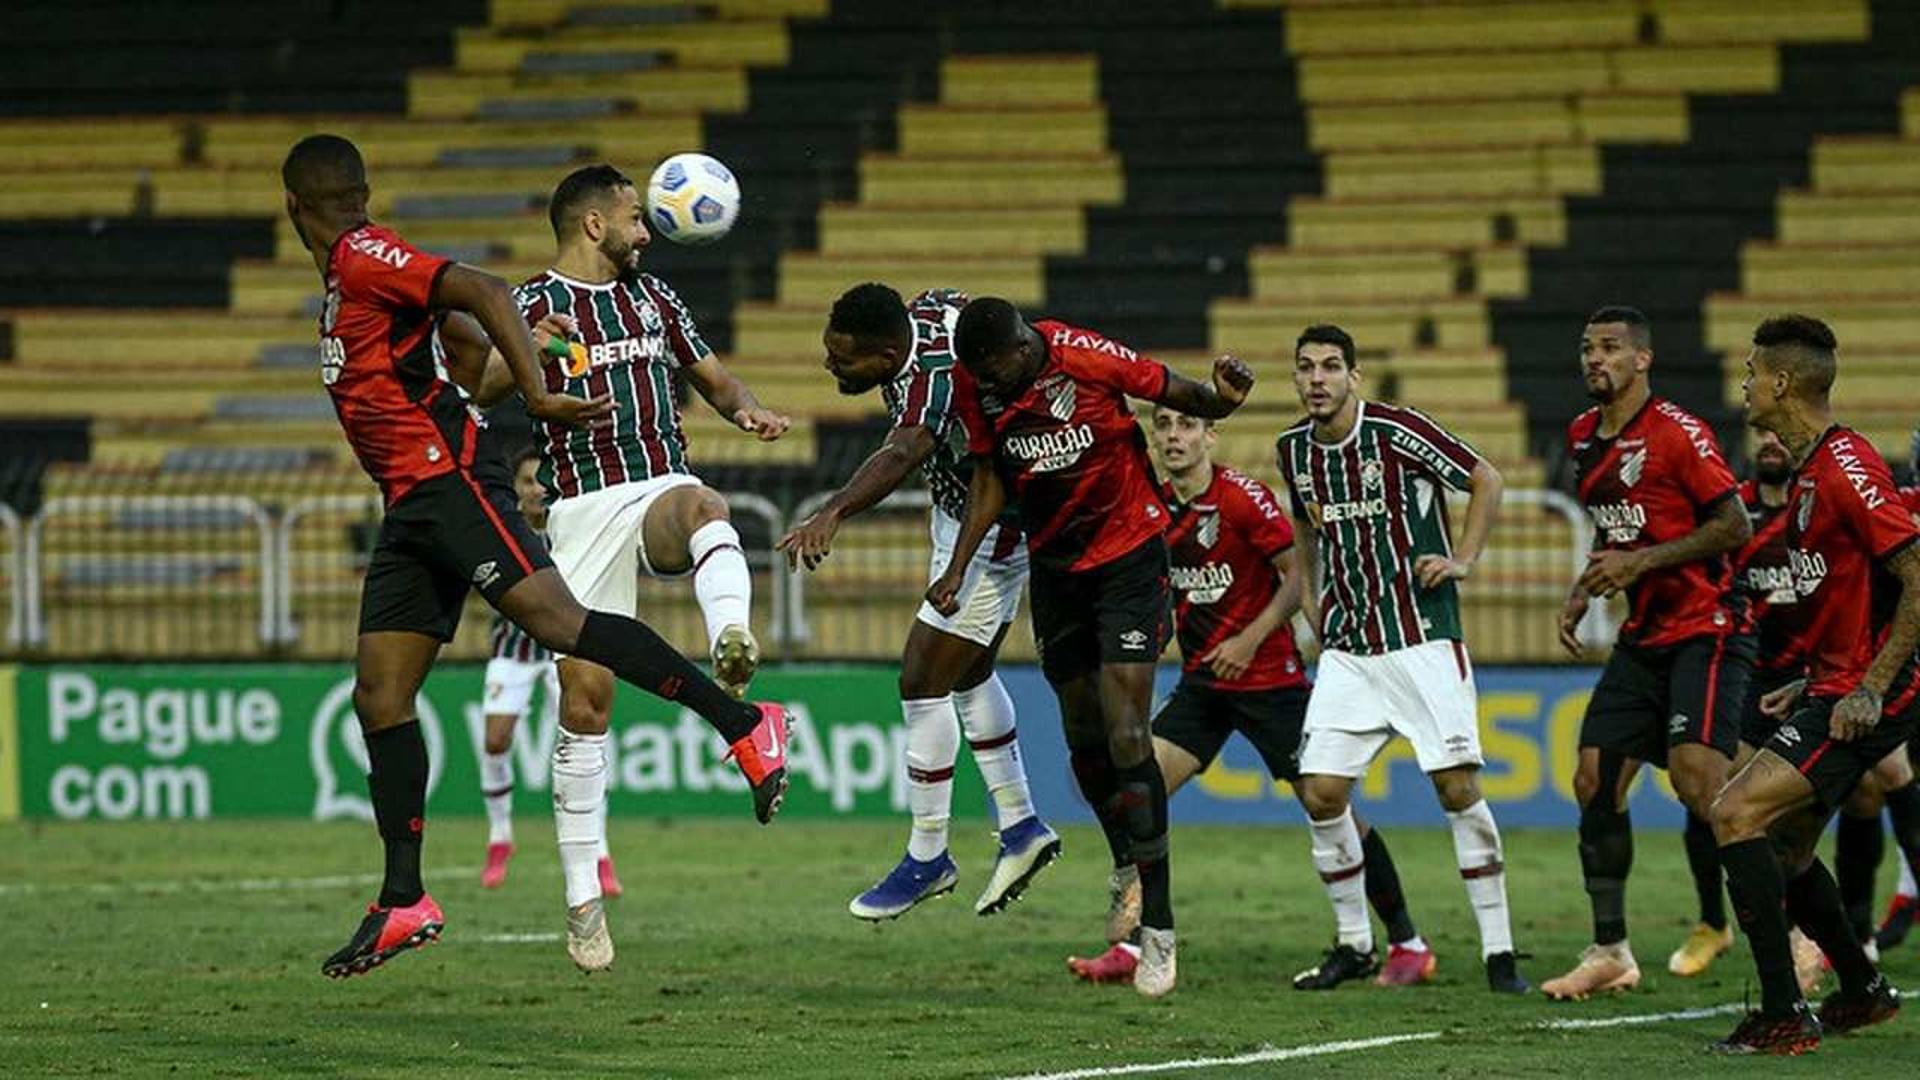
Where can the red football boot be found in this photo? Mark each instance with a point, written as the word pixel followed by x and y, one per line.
pixel 762 757
pixel 384 934
pixel 610 886
pixel 1113 966
pixel 495 873
pixel 1406 967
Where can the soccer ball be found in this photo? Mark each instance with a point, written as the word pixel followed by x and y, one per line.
pixel 692 199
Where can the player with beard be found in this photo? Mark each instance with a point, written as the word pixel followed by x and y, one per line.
pixel 622 500
pixel 1667 517
pixel 947 681
pixel 1046 413
pixel 1857 569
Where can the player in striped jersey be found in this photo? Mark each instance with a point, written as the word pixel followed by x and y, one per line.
pixel 1369 483
pixel 947 682
pixel 622 501
pixel 517 666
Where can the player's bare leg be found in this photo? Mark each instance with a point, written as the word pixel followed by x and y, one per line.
pixel 1339 857
pixel 496 788
pixel 1600 784
pixel 1698 772
pixel 1479 855
pixel 389 667
pixel 689 528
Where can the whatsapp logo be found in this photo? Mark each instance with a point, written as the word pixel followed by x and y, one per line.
pixel 339 754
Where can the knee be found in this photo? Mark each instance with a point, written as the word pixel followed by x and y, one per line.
pixel 1131 746
pixel 918 680
pixel 1864 801
pixel 706 508
pixel 1323 797
pixel 381 704
pixel 584 713
pixel 1735 818
pixel 1457 790
pixel 499 742
pixel 1586 784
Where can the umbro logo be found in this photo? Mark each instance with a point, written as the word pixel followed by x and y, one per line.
pixel 1134 640
pixel 1678 725
pixel 486 574
pixel 1787 736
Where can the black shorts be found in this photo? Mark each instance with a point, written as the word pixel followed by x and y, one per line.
pixel 1118 612
pixel 1198 718
pixel 1833 768
pixel 449 534
pixel 1757 727
pixel 1651 699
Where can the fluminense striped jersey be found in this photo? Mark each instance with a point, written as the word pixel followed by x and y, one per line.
pixel 512 643
pixel 1376 503
pixel 922 396
pixel 636 333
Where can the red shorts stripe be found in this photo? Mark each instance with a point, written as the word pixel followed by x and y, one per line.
pixel 1460 659
pixel 1899 705
pixel 1713 688
pixel 1806 767
pixel 499 526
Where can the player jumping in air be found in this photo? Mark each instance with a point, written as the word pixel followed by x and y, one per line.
pixel 1045 407
pixel 1667 517
pixel 1857 569
pixel 622 499
pixel 451 522
pixel 1237 587
pixel 1369 483
pixel 947 680
pixel 517 667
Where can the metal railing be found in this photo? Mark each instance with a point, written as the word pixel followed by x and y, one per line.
pixel 166 571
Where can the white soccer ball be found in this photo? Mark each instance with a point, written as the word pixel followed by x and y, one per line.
pixel 692 199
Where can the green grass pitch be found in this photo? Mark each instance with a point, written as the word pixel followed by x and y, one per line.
pixel 194 950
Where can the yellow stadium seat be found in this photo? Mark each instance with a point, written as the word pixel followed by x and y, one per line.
pixel 894 180
pixel 716 43
pixel 445 95
pixel 855 229
pixel 1423 223
pixel 946 131
pixel 1024 80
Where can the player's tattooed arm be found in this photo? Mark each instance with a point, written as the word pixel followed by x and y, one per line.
pixel 1903 633
pixel 1232 380
pixel 1485 485
pixel 732 399
pixel 986 497
pixel 490 301
pixel 875 479
pixel 1727 528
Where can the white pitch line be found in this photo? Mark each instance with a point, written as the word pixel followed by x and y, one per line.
pixel 1702 1013
pixel 331 881
pixel 1257 1057
pixel 518 939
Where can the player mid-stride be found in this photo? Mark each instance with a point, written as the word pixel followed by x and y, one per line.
pixel 451 523
pixel 947 682
pixel 1045 407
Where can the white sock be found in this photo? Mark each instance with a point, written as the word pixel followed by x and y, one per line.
pixel 986 715
pixel 600 830
pixel 1336 854
pixel 721 581
pixel 1476 851
pixel 579 793
pixel 933 741
pixel 496 787
pixel 1906 887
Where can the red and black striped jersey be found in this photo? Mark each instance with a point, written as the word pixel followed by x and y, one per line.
pixel 637 334
pixel 404 419
pixel 1653 482
pixel 1220 553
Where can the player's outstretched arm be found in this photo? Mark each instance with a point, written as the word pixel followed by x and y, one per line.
pixel 732 399
pixel 477 366
pixel 875 479
pixel 1484 488
pixel 1727 528
pixel 986 497
pixel 490 301
pixel 1232 380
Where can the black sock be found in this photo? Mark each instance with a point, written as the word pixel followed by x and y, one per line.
pixel 1753 880
pixel 1858 845
pixel 1093 770
pixel 643 658
pixel 1143 798
pixel 1383 888
pixel 1813 902
pixel 1903 808
pixel 1606 857
pixel 1703 858
pixel 397 780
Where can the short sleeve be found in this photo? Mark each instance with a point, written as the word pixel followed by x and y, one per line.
pixel 683 337
pixel 1282 458
pixel 1430 448
pixel 966 408
pixel 1876 513
pixel 1702 472
pixel 1267 527
pixel 532 300
pixel 386 271
pixel 1097 360
pixel 928 401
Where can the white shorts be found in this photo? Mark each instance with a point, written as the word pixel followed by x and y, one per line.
pixel 597 543
pixel 1424 692
pixel 989 594
pixel 510 685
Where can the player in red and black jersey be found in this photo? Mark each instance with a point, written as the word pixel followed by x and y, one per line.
pixel 1046 408
pixel 1857 569
pixel 1237 586
pixel 452 522
pixel 1667 515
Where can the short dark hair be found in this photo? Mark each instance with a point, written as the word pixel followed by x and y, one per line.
pixel 987 327
pixel 326 171
pixel 582 186
pixel 872 313
pixel 1639 327
pixel 529 452
pixel 1803 347
pixel 1328 334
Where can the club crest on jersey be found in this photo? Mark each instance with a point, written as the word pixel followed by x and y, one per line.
pixel 1632 465
pixel 1060 400
pixel 650 320
pixel 1803 513
pixel 1372 472
pixel 1207 532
